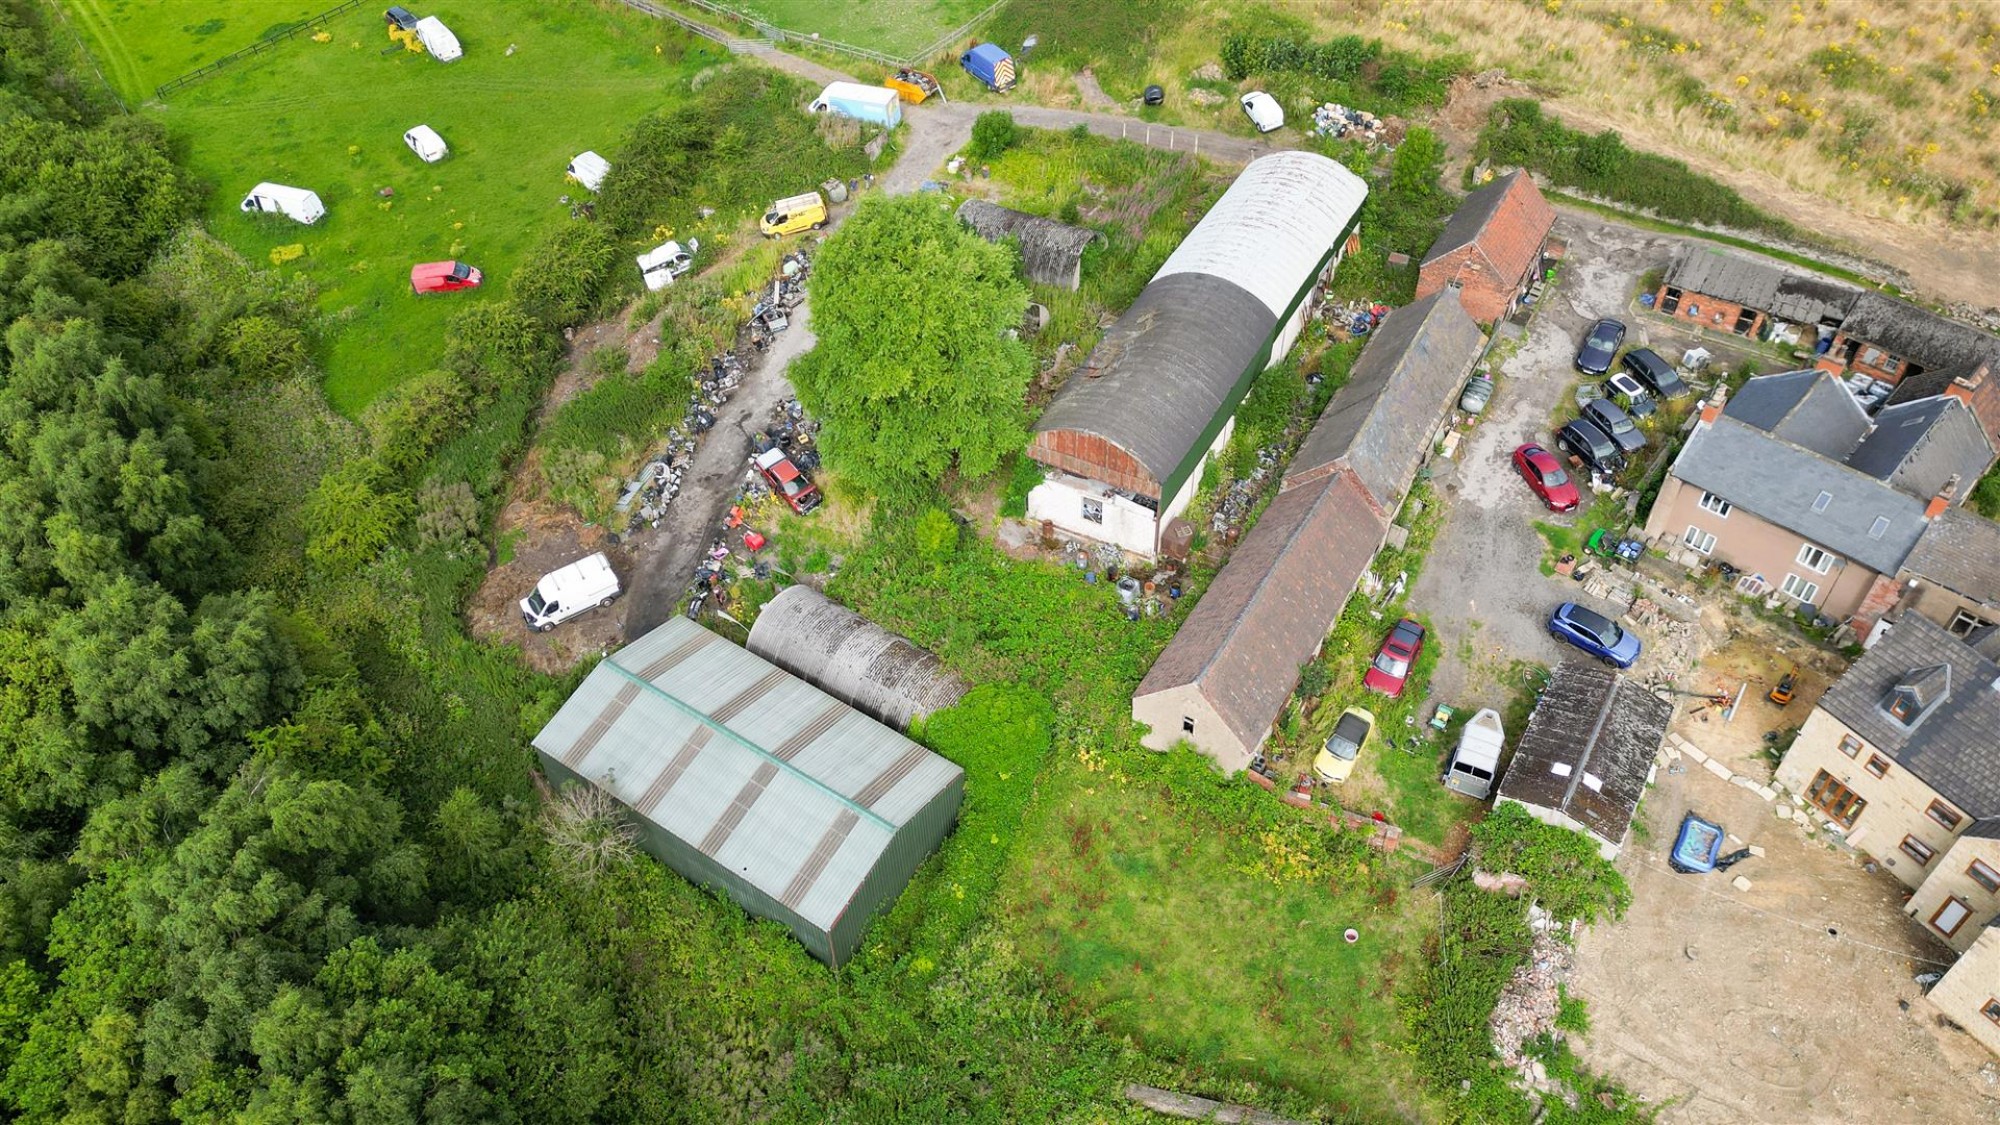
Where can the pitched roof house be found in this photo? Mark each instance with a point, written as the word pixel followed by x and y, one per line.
pixel 1952 575
pixel 1225 678
pixel 1491 248
pixel 1588 753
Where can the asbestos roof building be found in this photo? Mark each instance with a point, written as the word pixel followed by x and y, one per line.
pixel 1585 759
pixel 1051 251
pixel 1380 424
pixel 851 658
pixel 1941 347
pixel 746 779
pixel 1157 390
pixel 1798 298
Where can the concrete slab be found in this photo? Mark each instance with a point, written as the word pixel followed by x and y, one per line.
pixel 1740 883
pixel 1716 768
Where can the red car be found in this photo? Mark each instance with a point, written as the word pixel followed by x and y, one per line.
pixel 443 277
pixel 1391 669
pixel 787 481
pixel 1545 474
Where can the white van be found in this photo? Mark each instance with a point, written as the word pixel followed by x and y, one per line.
pixel 438 39
pixel 425 142
pixel 589 169
pixel 294 203
pixel 1263 111
pixel 562 594
pixel 667 261
pixel 1477 759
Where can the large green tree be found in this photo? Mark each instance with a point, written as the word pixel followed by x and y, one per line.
pixel 917 369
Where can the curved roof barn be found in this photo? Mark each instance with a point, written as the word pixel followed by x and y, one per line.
pixel 1157 390
pixel 851 658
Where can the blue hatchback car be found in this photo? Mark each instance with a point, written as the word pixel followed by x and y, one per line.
pixel 1595 634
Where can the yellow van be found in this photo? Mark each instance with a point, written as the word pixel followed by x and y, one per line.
pixel 789 216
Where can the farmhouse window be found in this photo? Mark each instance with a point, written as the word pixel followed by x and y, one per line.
pixel 1878 765
pixel 1799 590
pixel 1187 724
pixel 1918 850
pixel 1945 815
pixel 1992 1010
pixel 1950 916
pixel 1837 801
pixel 1710 502
pixel 1983 875
pixel 1670 301
pixel 1850 745
pixel 1963 623
pixel 1814 559
pixel 1701 541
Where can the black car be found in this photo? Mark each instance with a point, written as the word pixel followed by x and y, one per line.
pixel 1600 344
pixel 1656 373
pixel 1607 417
pixel 1583 438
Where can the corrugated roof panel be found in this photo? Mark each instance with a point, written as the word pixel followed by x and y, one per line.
pixel 827 898
pixel 1269 231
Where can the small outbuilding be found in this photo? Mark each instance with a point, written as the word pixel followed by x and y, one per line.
pixel 1491 249
pixel 877 105
pixel 297 204
pixel 425 142
pixel 1588 753
pixel 851 658
pixel 748 780
pixel 589 170
pixel 1051 251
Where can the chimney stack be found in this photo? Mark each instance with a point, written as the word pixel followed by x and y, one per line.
pixel 1712 409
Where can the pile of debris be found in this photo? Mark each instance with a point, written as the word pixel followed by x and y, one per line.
pixel 772 313
pixel 1338 121
pixel 1527 1007
pixel 1675 643
pixel 1235 504
pixel 1348 320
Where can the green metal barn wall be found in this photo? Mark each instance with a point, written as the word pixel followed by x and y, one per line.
pixel 907 850
pixel 1191 463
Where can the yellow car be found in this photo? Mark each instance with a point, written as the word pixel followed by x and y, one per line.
pixel 789 216
pixel 1336 762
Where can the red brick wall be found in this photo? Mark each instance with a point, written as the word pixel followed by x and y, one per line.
pixel 1709 312
pixel 1088 455
pixel 1862 348
pixel 1881 597
pixel 1484 296
pixel 1981 392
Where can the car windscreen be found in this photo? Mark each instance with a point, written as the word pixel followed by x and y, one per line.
pixel 793 486
pixel 1391 665
pixel 460 270
pixel 1603 341
pixel 537 603
pixel 1553 475
pixel 1610 417
pixel 1347 736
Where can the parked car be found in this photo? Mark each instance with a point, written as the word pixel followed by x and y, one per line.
pixel 1600 345
pixel 1478 392
pixel 1630 394
pixel 1656 373
pixel 1595 634
pixel 787 481
pixel 568 591
pixel 1263 111
pixel 1587 441
pixel 1391 668
pixel 1335 762
pixel 1546 476
pixel 1607 417
pixel 443 277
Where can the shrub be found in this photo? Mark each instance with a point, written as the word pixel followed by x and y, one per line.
pixel 1027 474
pixel 350 518
pixel 493 345
pixel 564 275
pixel 992 134
pixel 447 514
pixel 1562 867
pixel 410 422
pixel 263 349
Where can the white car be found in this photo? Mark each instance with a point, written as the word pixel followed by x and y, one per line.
pixel 564 593
pixel 1263 111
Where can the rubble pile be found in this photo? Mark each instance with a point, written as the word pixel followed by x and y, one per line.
pixel 1234 505
pixel 1527 1007
pixel 1335 120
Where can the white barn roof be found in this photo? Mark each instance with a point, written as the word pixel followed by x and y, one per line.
pixel 1270 230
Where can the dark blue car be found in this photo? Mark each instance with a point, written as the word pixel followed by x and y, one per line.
pixel 1600 344
pixel 1595 634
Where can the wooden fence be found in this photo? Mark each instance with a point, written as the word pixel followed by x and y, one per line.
pixel 257 48
pixel 780 35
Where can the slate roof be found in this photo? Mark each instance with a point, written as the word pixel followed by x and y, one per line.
pixel 1943 346
pixel 1960 551
pixel 1589 749
pixel 1268 610
pixel 1796 297
pixel 1953 747
pixel 1920 446
pixel 1507 218
pixel 1380 423
pixel 1780 482
pixel 1808 408
pixel 794 792
pixel 1986 828
pixel 1050 250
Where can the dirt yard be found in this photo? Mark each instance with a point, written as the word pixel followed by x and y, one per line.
pixel 1792 1001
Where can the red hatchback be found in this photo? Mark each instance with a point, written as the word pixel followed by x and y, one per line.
pixel 1391 669
pixel 443 277
pixel 1546 476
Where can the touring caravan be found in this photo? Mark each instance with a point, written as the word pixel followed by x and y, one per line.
pixel 1477 759
pixel 425 142
pixel 589 169
pixel 294 203
pixel 438 39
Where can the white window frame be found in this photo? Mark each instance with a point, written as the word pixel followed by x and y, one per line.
pixel 1821 501
pixel 1698 540
pixel 1879 528
pixel 1793 587
pixel 1963 622
pixel 1816 559
pixel 1716 505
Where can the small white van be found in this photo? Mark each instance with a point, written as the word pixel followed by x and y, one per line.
pixel 297 204
pixel 1263 111
pixel 425 142
pixel 564 593
pixel 438 39
pixel 589 169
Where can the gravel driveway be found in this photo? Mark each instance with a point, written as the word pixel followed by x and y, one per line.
pixel 1482 585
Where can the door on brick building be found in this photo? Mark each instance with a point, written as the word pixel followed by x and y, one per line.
pixel 1670 301
pixel 1746 319
pixel 1837 801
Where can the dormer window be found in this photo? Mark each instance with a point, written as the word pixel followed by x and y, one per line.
pixel 1917 694
pixel 1903 708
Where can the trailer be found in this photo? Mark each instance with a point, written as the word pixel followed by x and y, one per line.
pixel 875 104
pixel 1477 760
pixel 914 86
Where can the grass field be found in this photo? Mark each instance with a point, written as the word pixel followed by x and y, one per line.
pixel 141 43
pixel 896 27
pixel 577 79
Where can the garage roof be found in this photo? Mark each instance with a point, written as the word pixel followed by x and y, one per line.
pixel 1588 749
pixel 790 790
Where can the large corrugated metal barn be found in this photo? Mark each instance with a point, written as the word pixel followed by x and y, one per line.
pixel 1128 432
pixel 747 779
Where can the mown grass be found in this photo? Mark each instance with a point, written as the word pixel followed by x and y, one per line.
pixel 896 27
pixel 139 44
pixel 330 117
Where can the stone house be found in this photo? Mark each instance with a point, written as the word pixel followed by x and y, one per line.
pixel 1491 249
pixel 1807 496
pixel 1952 575
pixel 1969 994
pixel 1966 881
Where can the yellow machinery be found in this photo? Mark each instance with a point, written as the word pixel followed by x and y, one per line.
pixel 403 29
pixel 914 85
